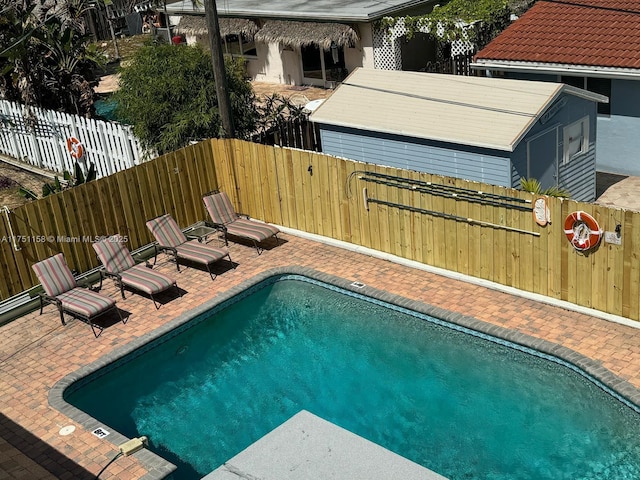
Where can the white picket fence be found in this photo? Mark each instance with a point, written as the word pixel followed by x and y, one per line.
pixel 40 139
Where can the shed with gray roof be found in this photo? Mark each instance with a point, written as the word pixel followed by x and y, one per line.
pixel 489 130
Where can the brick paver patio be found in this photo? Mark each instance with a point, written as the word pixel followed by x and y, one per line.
pixel 36 351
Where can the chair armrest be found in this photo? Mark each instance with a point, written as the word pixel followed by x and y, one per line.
pixel 49 299
pixel 218 226
pixel 105 274
pixel 138 259
pixel 162 248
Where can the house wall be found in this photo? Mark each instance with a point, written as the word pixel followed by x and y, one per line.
pixel 277 64
pixel 618 149
pixel 362 54
pixel 461 161
pixel 618 142
pixel 577 176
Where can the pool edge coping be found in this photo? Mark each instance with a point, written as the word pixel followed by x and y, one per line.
pixel 158 468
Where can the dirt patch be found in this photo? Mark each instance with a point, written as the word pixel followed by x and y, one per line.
pixel 17 177
pixel 294 92
pixel 127 47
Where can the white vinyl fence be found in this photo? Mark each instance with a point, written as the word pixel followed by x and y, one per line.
pixel 39 137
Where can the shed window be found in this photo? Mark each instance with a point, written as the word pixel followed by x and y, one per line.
pixel 575 139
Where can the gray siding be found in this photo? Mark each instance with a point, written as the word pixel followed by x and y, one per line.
pixel 482 165
pixel 618 141
pixel 578 176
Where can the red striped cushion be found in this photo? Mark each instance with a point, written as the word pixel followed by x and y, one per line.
pixel 54 275
pixel 144 279
pixel 249 229
pixel 85 302
pixel 166 231
pixel 114 255
pixel 199 252
pixel 220 208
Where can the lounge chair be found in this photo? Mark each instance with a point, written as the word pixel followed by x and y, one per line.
pixel 171 240
pixel 119 264
pixel 60 287
pixel 225 219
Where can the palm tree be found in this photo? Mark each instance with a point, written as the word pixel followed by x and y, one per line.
pixel 44 55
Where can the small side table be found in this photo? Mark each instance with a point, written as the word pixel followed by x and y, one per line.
pixel 200 233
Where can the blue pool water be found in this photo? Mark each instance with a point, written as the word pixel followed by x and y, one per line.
pixel 106 109
pixel 463 406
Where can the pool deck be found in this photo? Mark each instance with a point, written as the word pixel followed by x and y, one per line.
pixel 37 351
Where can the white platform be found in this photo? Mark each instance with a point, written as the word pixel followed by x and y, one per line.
pixel 310 448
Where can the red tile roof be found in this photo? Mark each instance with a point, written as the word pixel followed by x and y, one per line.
pixel 601 33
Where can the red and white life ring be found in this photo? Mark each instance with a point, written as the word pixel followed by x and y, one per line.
pixel 582 231
pixel 75 147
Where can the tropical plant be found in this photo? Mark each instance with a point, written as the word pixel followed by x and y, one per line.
pixel 69 180
pixel 168 94
pixel 44 56
pixel 533 185
pixel 478 21
pixel 275 112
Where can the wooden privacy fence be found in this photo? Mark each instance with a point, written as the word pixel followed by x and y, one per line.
pixel 294 133
pixel 70 221
pixel 39 138
pixel 486 236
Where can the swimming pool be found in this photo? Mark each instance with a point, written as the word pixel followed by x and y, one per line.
pixel 464 405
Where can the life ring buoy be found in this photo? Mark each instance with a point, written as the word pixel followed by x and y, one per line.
pixel 75 148
pixel 582 231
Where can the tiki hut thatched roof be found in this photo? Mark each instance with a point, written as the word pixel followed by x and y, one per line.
pixel 299 34
pixel 197 25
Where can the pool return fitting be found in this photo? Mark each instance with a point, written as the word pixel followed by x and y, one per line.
pixel 127 448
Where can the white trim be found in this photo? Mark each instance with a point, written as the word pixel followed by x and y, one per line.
pixel 463 278
pixel 551 68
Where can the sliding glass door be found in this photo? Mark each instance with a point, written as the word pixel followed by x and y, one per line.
pixel 320 67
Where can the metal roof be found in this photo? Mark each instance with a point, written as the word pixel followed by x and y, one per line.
pixel 328 10
pixel 483 112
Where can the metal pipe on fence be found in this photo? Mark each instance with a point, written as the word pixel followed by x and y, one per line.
pixel 448 216
pixel 450 194
pixel 440 186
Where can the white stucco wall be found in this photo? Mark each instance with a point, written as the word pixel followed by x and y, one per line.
pixel 283 65
pixel 277 65
pixel 366 44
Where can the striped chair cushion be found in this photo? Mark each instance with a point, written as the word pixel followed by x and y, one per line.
pixel 85 302
pixel 200 253
pixel 220 208
pixel 166 231
pixel 146 280
pixel 54 275
pixel 249 229
pixel 113 254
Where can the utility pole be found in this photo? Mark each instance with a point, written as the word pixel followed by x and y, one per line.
pixel 217 60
